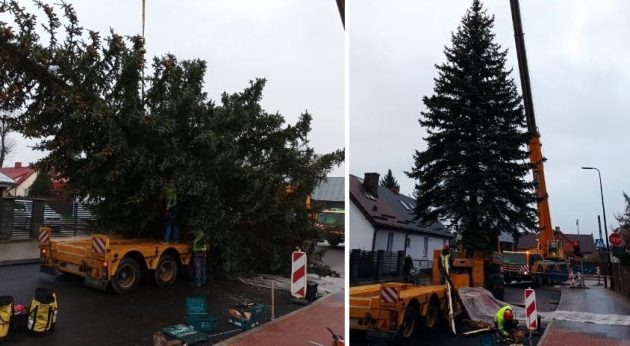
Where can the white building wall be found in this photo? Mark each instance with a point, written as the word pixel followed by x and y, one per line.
pixel 416 246
pixel 360 230
pixel 382 236
pixel 22 189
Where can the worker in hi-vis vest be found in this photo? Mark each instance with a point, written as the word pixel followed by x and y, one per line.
pixel 200 247
pixel 504 320
pixel 447 261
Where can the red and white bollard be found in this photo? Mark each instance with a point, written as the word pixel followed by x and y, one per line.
pixel 531 313
pixel 298 274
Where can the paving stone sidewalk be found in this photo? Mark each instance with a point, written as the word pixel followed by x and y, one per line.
pixel 306 326
pixel 597 300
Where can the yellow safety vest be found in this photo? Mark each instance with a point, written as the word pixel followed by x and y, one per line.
pixel 446 262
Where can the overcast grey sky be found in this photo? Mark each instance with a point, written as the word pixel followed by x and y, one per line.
pixel 577 52
pixel 296 45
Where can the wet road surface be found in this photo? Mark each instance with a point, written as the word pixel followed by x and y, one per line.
pixel 91 317
pixel 334 257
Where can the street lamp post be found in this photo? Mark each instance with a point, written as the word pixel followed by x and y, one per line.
pixel 601 191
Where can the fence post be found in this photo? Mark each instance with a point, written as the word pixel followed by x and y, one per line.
pixel 354 263
pixel 37 217
pixel 6 218
pixel 379 264
pixel 399 263
pixel 75 213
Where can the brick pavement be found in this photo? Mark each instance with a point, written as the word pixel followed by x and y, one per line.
pixel 598 300
pixel 561 337
pixel 306 326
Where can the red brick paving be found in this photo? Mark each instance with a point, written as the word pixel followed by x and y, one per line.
pixel 561 337
pixel 300 327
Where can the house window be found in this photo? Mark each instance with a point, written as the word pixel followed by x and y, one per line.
pixel 426 246
pixel 390 241
pixel 405 204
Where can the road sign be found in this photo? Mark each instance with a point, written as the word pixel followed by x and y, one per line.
pixel 599 244
pixel 531 315
pixel 615 239
pixel 298 274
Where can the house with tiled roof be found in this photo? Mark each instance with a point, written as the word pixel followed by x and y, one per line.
pixel 330 193
pixel 5 183
pixel 24 176
pixel 586 241
pixel 382 219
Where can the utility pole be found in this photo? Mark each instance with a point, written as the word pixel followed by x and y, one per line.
pixel 145 47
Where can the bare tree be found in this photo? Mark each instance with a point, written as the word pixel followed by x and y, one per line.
pixel 7 143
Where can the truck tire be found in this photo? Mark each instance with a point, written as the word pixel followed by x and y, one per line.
pixel 411 323
pixel 127 276
pixel 430 320
pixel 166 271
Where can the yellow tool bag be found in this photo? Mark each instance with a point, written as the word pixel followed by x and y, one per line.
pixel 43 312
pixel 6 310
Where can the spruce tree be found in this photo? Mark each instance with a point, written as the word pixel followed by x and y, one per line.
pixel 242 174
pixel 624 218
pixel 389 181
pixel 42 186
pixel 472 172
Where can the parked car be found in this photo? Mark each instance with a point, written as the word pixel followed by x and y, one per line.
pixel 23 214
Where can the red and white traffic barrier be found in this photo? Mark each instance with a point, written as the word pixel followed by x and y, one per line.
pixel 44 235
pixel 98 245
pixel 298 274
pixel 531 315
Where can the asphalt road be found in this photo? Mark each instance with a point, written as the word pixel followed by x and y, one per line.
pixel 334 257
pixel 91 317
pixel 547 300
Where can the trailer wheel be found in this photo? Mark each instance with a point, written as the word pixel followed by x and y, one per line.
pixel 166 271
pixel 410 323
pixel 127 276
pixel 429 321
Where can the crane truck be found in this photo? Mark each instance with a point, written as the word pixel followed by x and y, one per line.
pixel 548 255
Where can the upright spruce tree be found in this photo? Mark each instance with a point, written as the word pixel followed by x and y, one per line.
pixel 472 173
pixel 42 186
pixel 389 181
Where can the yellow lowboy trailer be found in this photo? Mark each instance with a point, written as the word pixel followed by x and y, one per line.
pixel 396 310
pixel 103 259
pixel 403 311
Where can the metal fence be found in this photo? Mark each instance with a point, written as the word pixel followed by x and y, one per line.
pixel 20 218
pixel 368 266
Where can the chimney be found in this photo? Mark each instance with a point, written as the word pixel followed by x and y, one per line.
pixel 18 165
pixel 370 183
pixel 396 189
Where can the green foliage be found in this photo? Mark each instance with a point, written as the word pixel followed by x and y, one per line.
pixel 42 186
pixel 389 181
pixel 241 174
pixel 472 171
pixel 624 219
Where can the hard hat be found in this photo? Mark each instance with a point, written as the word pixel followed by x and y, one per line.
pixel 508 315
pixel 445 247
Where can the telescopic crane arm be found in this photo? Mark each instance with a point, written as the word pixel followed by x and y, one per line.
pixel 535 146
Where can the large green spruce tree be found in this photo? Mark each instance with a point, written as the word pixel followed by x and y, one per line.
pixel 473 171
pixel 242 175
